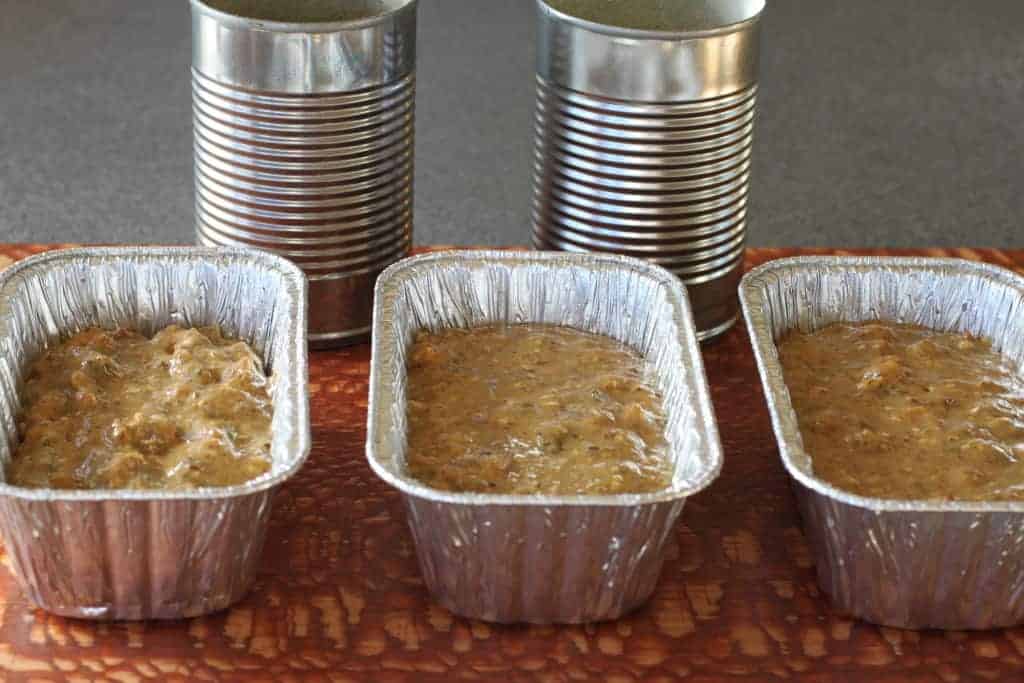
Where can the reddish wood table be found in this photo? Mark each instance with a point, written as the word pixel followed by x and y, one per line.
pixel 339 597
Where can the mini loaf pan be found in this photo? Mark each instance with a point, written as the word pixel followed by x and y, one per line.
pixel 537 558
pixel 901 563
pixel 135 554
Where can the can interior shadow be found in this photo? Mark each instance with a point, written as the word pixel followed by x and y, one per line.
pixel 305 11
pixel 661 15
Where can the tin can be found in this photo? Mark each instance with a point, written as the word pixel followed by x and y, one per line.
pixel 303 122
pixel 643 131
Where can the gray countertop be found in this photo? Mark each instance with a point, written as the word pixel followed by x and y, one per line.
pixel 881 123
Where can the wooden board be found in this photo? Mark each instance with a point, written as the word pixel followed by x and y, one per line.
pixel 339 597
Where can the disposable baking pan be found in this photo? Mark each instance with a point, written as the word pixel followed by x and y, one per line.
pixel 132 554
pixel 902 563
pixel 515 558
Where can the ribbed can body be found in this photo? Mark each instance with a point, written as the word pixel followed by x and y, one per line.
pixel 303 146
pixel 643 148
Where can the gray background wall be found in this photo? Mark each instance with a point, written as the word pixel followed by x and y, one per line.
pixel 882 123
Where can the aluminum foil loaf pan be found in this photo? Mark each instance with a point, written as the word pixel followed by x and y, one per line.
pixel 536 558
pixel 132 554
pixel 902 563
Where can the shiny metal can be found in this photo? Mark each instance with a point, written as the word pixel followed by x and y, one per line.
pixel 643 131
pixel 303 122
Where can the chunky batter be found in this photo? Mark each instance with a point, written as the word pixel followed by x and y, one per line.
pixel 533 409
pixel 902 412
pixel 112 409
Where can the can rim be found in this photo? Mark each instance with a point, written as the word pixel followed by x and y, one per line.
pixel 651 34
pixel 229 19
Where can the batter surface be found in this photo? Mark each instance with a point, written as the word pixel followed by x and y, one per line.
pixel 902 412
pixel 533 409
pixel 113 409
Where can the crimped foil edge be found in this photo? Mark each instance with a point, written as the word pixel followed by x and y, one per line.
pixel 691 362
pixel 294 287
pixel 756 310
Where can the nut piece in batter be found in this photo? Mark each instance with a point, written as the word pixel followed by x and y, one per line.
pixel 113 409
pixel 902 412
pixel 533 409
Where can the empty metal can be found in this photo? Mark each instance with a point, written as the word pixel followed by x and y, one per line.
pixel 303 128
pixel 643 132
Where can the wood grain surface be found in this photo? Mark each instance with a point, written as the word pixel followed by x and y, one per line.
pixel 339 596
